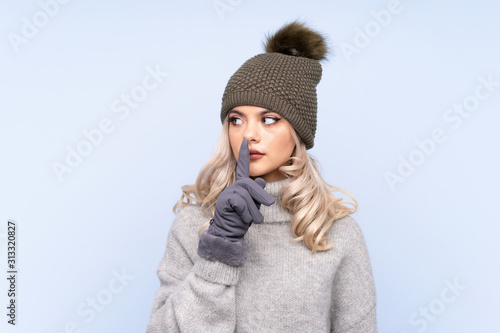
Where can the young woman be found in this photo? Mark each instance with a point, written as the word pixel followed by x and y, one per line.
pixel 261 244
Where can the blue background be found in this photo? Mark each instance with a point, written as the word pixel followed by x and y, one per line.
pixel 431 233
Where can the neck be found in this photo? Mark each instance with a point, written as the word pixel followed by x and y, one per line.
pixel 275 213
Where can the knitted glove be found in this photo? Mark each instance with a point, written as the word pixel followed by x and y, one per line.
pixel 235 209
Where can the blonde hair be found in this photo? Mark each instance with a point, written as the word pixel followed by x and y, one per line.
pixel 309 198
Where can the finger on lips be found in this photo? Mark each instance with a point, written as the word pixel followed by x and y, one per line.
pixel 254 187
pixel 243 165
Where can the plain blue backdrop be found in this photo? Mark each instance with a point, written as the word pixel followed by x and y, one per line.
pixel 108 108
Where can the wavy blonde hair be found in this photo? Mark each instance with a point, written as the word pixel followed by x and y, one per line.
pixel 309 198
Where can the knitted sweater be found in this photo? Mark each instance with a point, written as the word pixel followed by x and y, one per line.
pixel 282 287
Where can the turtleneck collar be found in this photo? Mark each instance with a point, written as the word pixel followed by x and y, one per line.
pixel 275 213
pixel 274 187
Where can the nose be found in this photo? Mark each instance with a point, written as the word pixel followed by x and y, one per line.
pixel 252 132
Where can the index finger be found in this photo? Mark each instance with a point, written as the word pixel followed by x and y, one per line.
pixel 243 166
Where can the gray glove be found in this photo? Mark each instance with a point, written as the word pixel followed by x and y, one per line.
pixel 238 205
pixel 235 209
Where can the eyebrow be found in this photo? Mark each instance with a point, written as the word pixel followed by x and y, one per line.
pixel 261 113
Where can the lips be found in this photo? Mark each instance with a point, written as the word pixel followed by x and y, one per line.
pixel 255 151
pixel 255 154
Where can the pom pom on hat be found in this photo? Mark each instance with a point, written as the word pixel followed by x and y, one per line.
pixel 297 40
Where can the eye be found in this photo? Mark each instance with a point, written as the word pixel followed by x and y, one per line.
pixel 271 120
pixel 232 120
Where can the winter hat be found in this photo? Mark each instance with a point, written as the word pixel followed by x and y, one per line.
pixel 283 79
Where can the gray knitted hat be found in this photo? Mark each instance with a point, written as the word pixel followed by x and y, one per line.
pixel 283 79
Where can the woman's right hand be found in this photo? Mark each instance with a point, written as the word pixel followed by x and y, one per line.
pixel 238 204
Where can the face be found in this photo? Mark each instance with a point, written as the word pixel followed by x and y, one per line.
pixel 269 139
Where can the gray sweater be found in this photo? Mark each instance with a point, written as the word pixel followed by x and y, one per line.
pixel 282 287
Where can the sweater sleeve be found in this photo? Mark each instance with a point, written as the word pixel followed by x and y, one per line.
pixel 353 294
pixel 195 294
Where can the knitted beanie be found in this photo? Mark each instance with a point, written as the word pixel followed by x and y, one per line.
pixel 282 80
